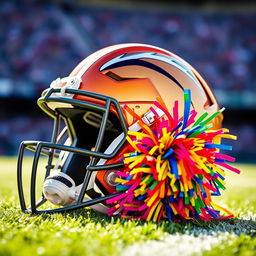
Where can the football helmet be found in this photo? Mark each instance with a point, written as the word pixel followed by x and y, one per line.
pixel 90 124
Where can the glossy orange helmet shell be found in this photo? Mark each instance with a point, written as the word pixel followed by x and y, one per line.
pixel 135 74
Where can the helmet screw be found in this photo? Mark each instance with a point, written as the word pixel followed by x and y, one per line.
pixel 110 178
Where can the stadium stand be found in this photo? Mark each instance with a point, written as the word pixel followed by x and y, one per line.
pixel 42 40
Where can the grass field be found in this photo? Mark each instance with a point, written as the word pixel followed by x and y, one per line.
pixel 85 232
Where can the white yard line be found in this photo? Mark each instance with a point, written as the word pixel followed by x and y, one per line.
pixel 178 244
pixel 195 240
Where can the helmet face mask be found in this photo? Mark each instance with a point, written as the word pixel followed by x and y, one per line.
pixel 83 157
pixel 80 158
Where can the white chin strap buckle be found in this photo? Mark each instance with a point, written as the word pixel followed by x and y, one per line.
pixel 60 189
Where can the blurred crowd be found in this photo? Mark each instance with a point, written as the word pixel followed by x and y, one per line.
pixel 36 46
pixel 222 46
pixel 16 128
pixel 38 43
pixel 41 41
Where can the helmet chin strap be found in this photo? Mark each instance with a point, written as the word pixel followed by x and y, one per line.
pixel 60 189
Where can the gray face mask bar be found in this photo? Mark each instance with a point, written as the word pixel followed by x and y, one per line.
pixel 51 148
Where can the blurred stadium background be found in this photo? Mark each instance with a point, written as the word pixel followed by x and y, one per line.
pixel 43 40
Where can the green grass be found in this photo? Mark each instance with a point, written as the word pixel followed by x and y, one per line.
pixel 85 232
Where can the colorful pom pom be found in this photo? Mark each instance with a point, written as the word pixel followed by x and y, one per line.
pixel 174 167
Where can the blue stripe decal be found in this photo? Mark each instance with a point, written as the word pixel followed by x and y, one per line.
pixel 144 64
pixel 149 55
